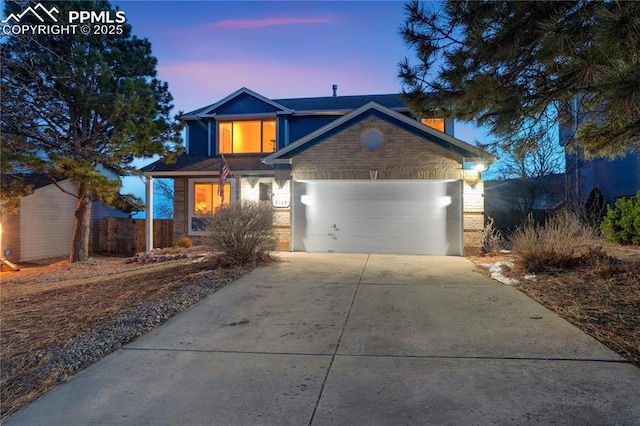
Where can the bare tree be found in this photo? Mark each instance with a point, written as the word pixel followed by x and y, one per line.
pixel 163 194
pixel 531 163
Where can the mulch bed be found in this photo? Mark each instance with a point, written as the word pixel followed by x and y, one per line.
pixel 602 299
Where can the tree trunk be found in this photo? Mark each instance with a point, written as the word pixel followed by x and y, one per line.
pixel 80 240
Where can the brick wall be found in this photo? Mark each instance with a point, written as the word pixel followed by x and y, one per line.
pixel 401 156
pixel 249 190
pixel 180 208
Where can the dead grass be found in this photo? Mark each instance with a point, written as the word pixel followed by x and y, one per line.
pixel 592 284
pixel 46 306
pixel 562 242
pixel 599 292
pixel 601 298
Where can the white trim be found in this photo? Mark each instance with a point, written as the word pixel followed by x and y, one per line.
pixel 149 214
pixel 238 93
pixel 190 198
pixel 278 161
pixel 186 140
pixel 361 110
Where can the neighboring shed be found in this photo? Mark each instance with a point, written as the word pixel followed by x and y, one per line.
pixel 43 225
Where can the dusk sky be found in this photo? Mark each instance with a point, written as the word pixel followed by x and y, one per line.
pixel 209 49
pixel 206 50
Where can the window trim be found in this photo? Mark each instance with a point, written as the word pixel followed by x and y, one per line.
pixel 262 120
pixel 191 199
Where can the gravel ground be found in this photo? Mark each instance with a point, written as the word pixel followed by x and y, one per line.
pixel 91 346
pixel 58 319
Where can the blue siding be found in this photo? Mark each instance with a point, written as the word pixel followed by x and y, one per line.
pixel 448 126
pixel 282 129
pixel 302 126
pixel 616 178
pixel 198 137
pixel 245 104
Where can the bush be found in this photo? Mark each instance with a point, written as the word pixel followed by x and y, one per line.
pixel 492 239
pixel 242 231
pixel 184 242
pixel 622 223
pixel 563 241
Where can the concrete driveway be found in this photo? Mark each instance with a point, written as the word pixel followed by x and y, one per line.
pixel 354 339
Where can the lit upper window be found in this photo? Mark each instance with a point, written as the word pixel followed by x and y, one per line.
pixel 435 123
pixel 244 137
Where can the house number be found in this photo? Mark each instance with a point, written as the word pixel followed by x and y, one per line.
pixel 281 202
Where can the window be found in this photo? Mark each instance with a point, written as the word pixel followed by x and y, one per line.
pixel 266 190
pixel 206 199
pixel 244 137
pixel 435 123
pixel 372 139
pixel 203 200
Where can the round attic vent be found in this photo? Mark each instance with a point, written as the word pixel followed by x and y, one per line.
pixel 372 139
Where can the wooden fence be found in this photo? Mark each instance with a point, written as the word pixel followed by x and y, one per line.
pixel 127 236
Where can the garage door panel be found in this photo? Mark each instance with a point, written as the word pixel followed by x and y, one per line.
pixel 422 217
pixel 351 225
pixel 384 245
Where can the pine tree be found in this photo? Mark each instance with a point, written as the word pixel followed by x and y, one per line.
pixel 83 107
pixel 508 65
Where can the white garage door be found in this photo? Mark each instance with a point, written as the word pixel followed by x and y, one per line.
pixel 378 216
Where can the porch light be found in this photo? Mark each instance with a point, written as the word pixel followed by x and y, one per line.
pixel 477 163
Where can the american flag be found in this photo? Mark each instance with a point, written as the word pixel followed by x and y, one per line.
pixel 224 173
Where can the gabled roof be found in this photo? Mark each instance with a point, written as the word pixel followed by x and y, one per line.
pixel 465 150
pixel 41 180
pixel 302 105
pixel 341 103
pixel 209 108
pixel 34 180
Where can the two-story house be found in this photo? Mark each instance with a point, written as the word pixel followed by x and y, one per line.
pixel 343 173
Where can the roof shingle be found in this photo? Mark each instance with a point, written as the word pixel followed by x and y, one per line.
pixel 203 163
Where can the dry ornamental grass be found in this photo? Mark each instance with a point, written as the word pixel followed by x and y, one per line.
pixel 592 284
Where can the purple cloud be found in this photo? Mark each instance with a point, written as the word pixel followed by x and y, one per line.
pixel 198 83
pixel 263 22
